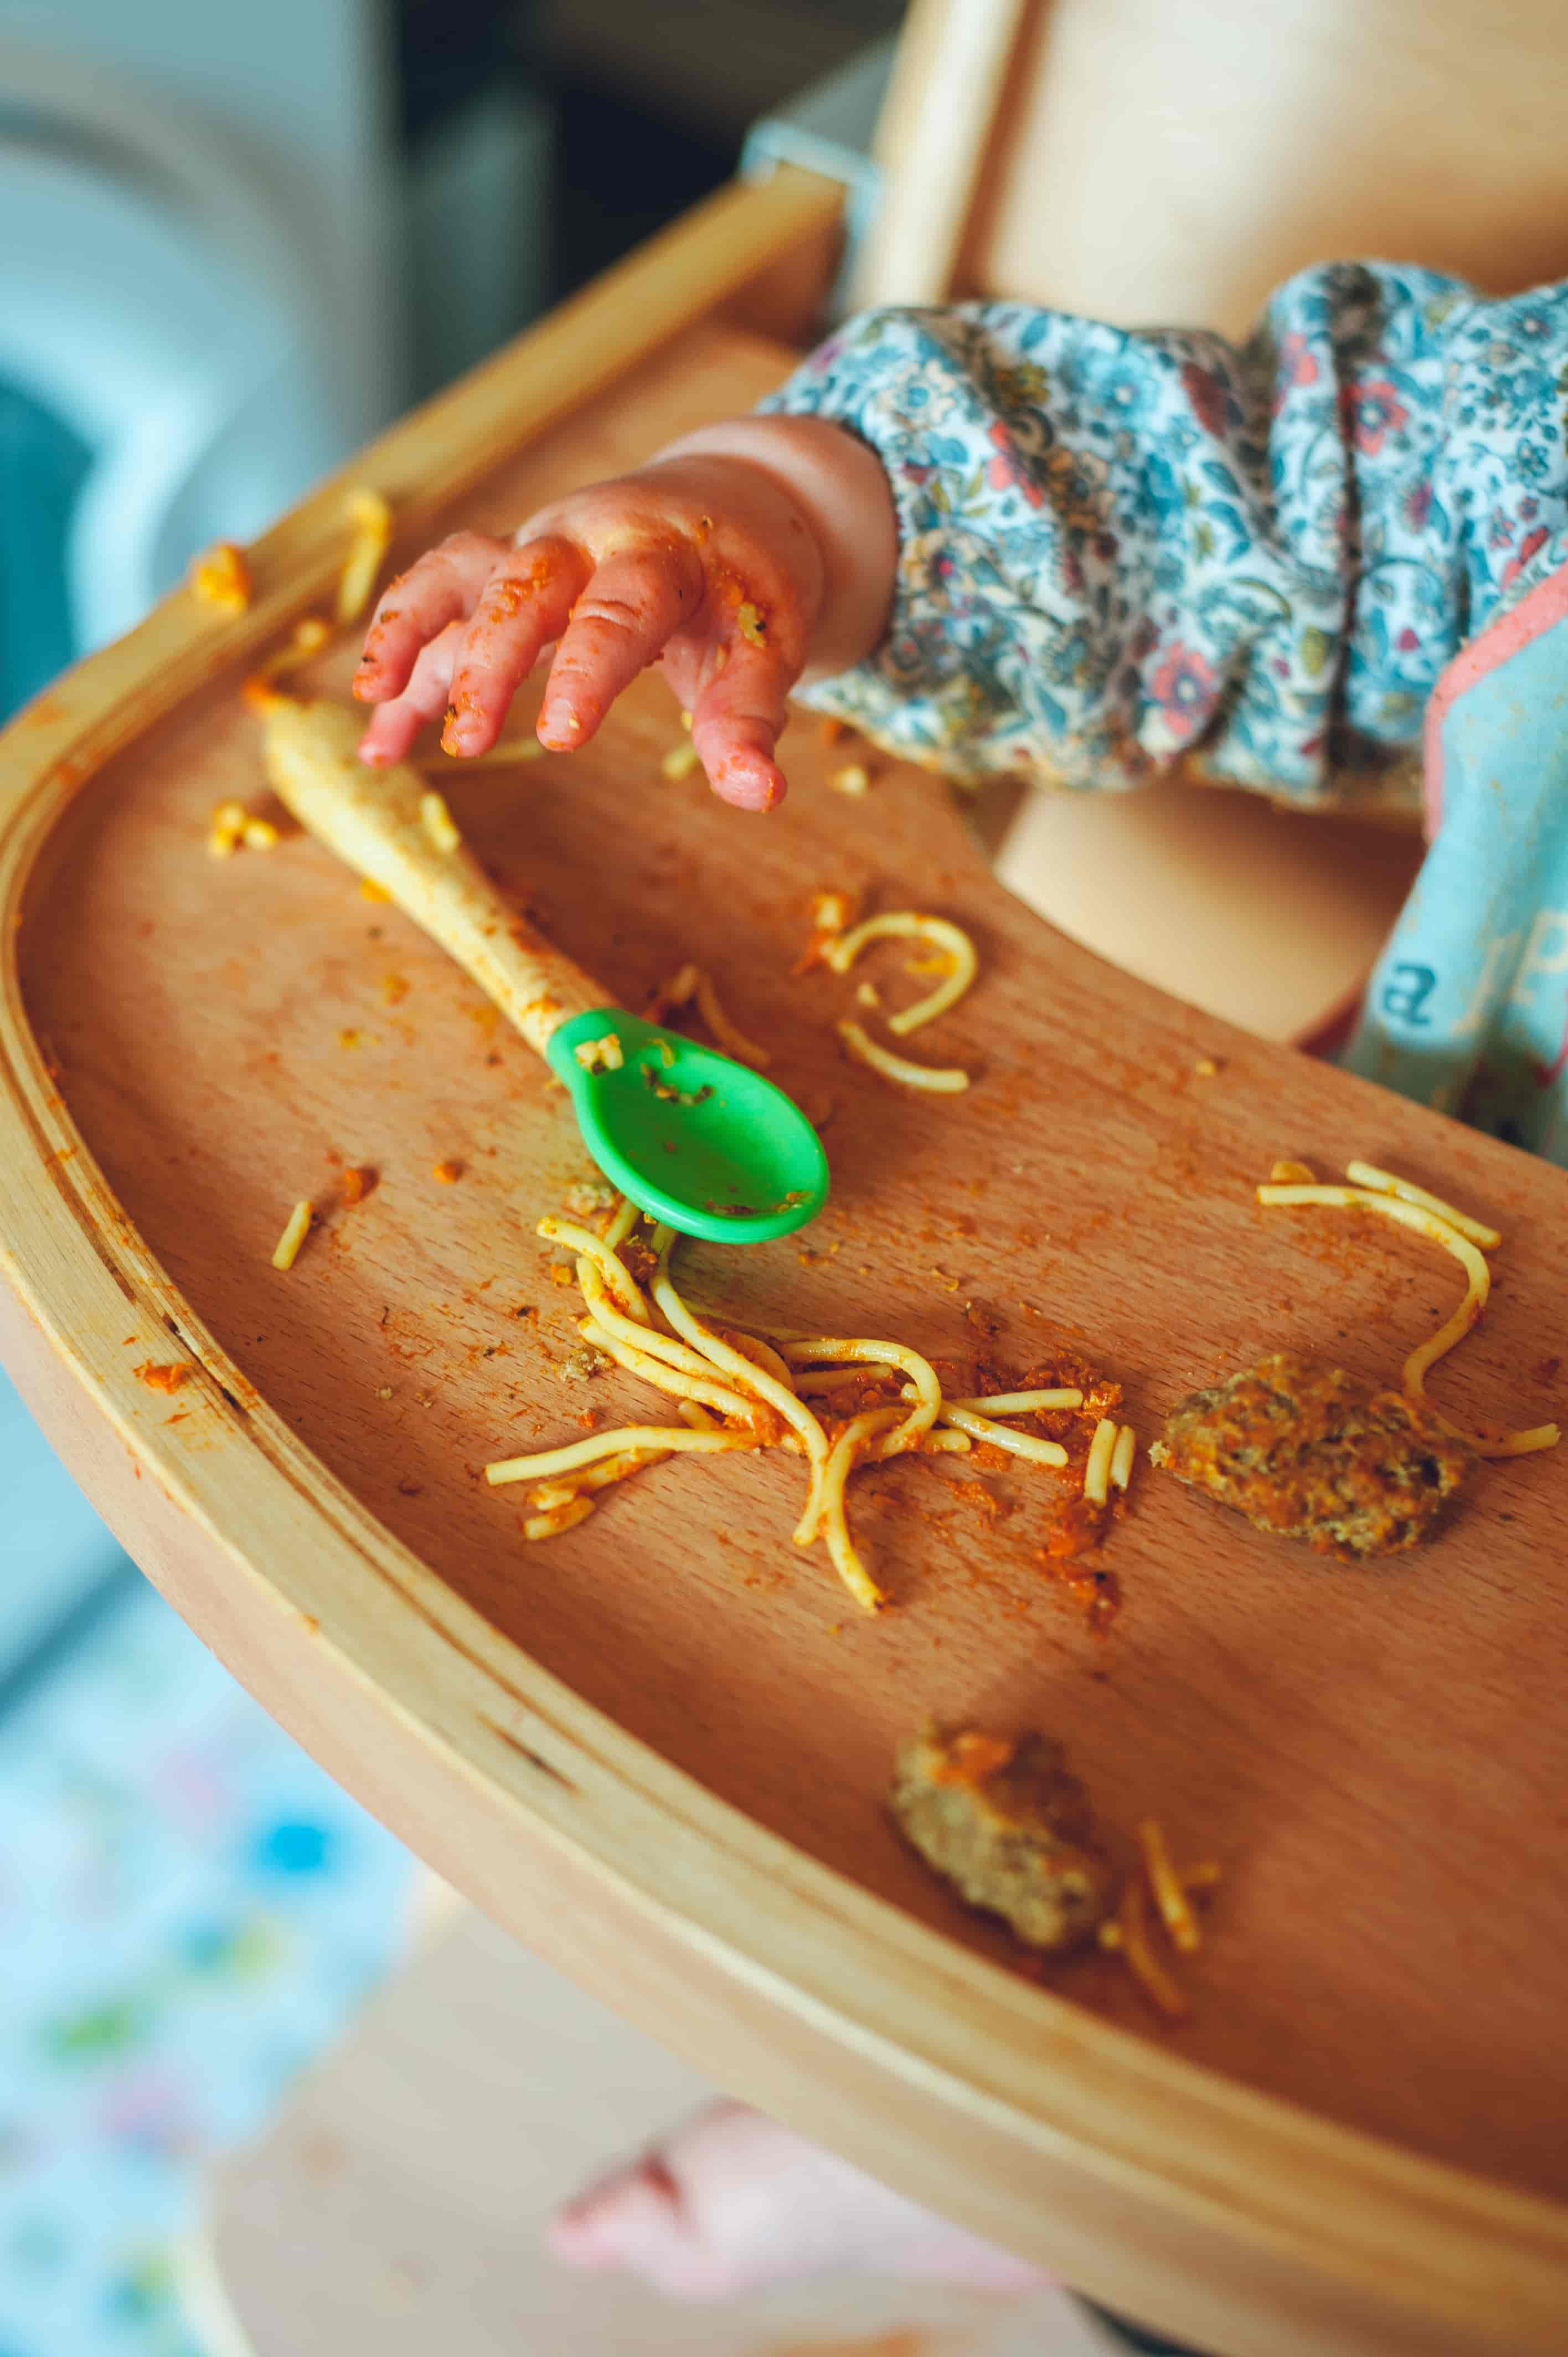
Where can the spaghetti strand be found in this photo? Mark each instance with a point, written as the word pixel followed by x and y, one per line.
pixel 1419 1216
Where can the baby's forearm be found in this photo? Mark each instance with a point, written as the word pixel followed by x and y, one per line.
pixel 1122 552
pixel 842 492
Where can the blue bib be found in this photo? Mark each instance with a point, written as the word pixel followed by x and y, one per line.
pixel 1467 1010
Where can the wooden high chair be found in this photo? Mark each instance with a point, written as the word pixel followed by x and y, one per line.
pixel 656 1749
pixel 1152 164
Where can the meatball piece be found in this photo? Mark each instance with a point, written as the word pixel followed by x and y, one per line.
pixel 1308 1451
pixel 1009 1826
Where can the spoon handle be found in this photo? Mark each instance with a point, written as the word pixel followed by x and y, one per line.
pixel 371 819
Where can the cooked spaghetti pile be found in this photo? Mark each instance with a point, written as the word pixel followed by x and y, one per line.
pixel 1160 1896
pixel 738 1390
pixel 1467 1239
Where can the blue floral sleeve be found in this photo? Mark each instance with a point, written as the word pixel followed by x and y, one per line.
pixel 1122 550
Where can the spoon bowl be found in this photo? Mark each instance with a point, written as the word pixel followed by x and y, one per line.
pixel 693 1138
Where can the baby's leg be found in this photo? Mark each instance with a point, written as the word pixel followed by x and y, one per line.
pixel 1264 917
pixel 731 2202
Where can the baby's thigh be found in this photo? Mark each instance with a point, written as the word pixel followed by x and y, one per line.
pixel 1265 917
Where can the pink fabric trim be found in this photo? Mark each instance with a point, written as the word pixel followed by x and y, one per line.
pixel 1546 604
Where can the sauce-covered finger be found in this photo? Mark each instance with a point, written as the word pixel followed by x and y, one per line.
pixel 636 601
pixel 737 721
pixel 417 607
pixel 394 725
pixel 523 605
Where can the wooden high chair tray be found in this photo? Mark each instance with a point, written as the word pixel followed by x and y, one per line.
pixel 656 1748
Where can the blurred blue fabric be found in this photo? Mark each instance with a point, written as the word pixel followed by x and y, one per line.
pixel 189 1910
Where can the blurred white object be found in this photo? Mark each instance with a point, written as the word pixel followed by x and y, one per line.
pixel 197 292
pixel 197 270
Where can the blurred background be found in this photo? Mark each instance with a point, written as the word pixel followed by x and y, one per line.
pixel 234 243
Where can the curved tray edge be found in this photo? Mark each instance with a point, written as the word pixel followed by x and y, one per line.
pixel 992 2101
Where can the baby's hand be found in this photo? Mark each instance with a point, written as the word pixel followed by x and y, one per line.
pixel 732 571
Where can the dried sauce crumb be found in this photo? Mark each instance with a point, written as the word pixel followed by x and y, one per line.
pixel 359 1181
pixel 973 1758
pixel 161 1378
pixel 985 1501
pixel 447 1174
pixel 639 1260
pixel 226 829
pixel 1076 1527
pixel 1091 1585
pixel 221 578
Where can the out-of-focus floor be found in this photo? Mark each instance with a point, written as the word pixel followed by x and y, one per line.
pixel 410 2176
pixel 190 1912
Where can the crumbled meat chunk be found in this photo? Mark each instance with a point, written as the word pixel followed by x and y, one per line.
pixel 1314 1453
pixel 1009 1826
pixel 585 1196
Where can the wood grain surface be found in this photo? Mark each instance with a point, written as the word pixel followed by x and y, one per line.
pixel 1375 1754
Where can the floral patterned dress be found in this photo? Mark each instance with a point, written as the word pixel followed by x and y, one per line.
pixel 1121 550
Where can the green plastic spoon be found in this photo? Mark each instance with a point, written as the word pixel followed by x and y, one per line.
pixel 693 1138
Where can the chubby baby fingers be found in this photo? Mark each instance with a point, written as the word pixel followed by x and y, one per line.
pixel 635 602
pixel 415 608
pixel 394 725
pixel 523 605
pixel 736 722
